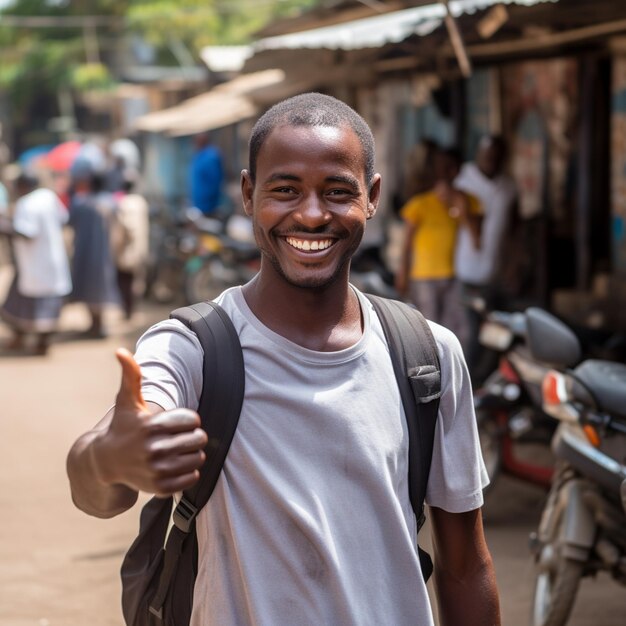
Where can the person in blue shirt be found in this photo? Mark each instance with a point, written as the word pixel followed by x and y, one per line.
pixel 206 176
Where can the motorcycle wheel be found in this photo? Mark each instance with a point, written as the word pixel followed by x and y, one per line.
pixel 556 584
pixel 490 446
pixel 206 277
pixel 165 285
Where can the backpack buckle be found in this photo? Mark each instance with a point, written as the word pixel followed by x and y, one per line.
pixel 184 514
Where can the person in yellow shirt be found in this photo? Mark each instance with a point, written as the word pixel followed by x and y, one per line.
pixel 432 222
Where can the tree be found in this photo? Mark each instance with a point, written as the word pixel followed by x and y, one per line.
pixel 51 49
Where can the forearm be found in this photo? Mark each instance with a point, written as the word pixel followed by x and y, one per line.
pixel 470 600
pixel 6 226
pixel 92 492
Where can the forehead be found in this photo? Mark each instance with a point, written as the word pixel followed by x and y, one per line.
pixel 318 146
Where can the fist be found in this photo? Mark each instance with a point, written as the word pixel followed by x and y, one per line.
pixel 148 449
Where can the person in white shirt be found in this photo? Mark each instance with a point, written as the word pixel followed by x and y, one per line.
pixel 42 274
pixel 478 269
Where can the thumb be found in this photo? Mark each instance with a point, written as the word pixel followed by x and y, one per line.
pixel 129 396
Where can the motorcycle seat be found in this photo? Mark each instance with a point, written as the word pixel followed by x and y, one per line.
pixel 606 382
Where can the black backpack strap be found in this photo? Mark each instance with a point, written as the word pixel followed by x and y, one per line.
pixel 416 365
pixel 219 409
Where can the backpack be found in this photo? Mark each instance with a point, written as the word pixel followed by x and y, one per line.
pixel 159 570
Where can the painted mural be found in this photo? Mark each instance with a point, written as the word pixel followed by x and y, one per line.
pixel 540 108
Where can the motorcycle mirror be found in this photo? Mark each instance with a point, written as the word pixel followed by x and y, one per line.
pixel 550 340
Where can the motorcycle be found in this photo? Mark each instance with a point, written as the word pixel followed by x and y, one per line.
pixel 583 524
pixel 174 241
pixel 226 255
pixel 508 404
pixel 370 274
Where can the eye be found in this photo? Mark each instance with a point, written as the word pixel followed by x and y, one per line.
pixel 338 194
pixel 284 190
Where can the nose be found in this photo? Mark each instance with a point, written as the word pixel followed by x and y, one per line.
pixel 312 212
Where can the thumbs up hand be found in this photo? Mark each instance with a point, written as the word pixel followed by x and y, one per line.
pixel 145 448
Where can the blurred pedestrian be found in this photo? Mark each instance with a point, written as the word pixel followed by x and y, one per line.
pixel 477 268
pixel 131 242
pixel 432 222
pixel 92 215
pixel 42 275
pixel 206 176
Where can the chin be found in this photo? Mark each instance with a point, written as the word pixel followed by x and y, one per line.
pixel 310 279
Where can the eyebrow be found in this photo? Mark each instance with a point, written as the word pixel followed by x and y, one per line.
pixel 339 178
pixel 281 176
pixel 348 180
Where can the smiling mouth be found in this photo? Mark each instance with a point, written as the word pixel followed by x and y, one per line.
pixel 308 245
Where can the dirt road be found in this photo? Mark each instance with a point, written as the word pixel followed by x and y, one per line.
pixel 59 567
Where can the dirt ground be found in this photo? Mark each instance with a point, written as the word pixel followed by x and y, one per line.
pixel 59 567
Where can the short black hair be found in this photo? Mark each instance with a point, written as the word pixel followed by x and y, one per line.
pixel 312 109
pixel 453 154
pixel 494 141
pixel 27 181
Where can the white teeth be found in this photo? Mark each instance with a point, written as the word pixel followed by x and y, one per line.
pixel 307 245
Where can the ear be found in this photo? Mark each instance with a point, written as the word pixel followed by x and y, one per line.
pixel 373 197
pixel 247 190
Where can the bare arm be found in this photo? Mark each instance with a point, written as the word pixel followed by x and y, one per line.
pixel 135 447
pixel 460 209
pixel 7 228
pixel 464 576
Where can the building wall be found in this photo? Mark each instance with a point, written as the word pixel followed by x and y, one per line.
pixel 618 165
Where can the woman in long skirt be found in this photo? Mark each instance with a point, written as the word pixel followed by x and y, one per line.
pixel 92 216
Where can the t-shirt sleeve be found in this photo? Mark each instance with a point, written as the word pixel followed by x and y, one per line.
pixel 412 211
pixel 170 357
pixel 457 473
pixel 26 221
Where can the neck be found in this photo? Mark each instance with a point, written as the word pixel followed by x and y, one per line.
pixel 325 319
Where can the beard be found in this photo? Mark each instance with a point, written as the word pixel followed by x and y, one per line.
pixel 308 278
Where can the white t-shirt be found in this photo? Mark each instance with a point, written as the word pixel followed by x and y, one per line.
pixel 310 521
pixel 478 266
pixel 42 264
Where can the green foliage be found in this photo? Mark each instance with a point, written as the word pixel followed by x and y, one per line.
pixel 91 77
pixel 37 62
pixel 199 23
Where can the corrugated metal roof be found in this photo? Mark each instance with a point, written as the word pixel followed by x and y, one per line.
pixel 225 58
pixel 373 32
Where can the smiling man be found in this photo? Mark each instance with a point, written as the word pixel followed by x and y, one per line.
pixel 310 521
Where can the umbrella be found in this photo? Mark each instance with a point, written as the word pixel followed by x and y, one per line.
pixel 61 157
pixel 30 156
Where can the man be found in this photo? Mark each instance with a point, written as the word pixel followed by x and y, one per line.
pixel 206 176
pixel 310 521
pixel 42 276
pixel 478 269
pixel 433 220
